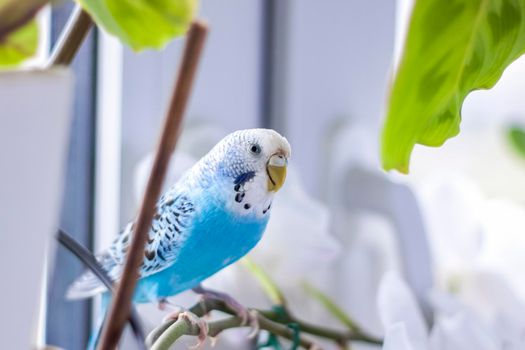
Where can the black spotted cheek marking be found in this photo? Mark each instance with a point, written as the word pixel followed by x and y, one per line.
pixel 239 197
pixel 247 206
pixel 267 209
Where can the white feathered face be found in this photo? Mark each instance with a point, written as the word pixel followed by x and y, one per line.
pixel 254 162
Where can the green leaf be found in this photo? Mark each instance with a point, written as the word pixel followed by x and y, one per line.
pixel 516 137
pixel 332 307
pixel 19 45
pixel 14 14
pixel 453 47
pixel 142 24
pixel 18 31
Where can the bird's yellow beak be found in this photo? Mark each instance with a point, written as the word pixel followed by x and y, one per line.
pixel 276 169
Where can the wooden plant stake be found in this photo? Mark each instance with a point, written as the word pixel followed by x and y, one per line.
pixel 121 304
pixel 71 37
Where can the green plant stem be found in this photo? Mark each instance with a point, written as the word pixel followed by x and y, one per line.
pixel 171 332
pixel 265 281
pixel 183 326
pixel 167 333
pixel 334 309
pixel 323 332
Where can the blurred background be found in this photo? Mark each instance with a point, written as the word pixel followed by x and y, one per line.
pixel 317 72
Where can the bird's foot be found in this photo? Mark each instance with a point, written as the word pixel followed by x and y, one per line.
pixel 248 317
pixel 195 321
pixel 199 322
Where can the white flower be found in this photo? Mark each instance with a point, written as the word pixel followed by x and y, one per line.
pixel 456 326
pixel 477 244
pixel 398 308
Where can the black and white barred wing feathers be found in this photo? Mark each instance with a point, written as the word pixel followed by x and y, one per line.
pixel 170 228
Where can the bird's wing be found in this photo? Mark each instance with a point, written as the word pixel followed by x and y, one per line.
pixel 169 230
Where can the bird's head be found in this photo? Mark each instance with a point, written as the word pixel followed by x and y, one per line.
pixel 249 166
pixel 251 153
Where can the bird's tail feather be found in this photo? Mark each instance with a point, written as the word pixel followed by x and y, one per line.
pixel 87 285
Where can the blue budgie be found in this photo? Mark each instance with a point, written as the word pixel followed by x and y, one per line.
pixel 213 216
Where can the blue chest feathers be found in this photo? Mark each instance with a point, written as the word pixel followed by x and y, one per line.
pixel 216 239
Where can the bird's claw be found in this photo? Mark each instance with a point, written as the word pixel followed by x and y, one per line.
pixel 254 324
pixel 164 304
pixel 174 315
pixel 248 317
pixel 194 320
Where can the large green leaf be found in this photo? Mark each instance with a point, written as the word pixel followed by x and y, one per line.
pixel 19 45
pixel 142 23
pixel 453 47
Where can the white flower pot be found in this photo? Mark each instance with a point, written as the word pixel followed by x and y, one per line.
pixel 35 108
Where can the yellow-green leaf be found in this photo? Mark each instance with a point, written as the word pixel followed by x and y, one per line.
pixel 331 307
pixel 19 45
pixel 14 14
pixel 453 47
pixel 266 282
pixel 142 24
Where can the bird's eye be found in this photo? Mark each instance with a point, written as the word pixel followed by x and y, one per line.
pixel 255 149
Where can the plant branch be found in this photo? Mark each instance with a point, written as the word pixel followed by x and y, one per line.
pixel 323 332
pixel 121 305
pixel 183 326
pixel 168 332
pixel 71 38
